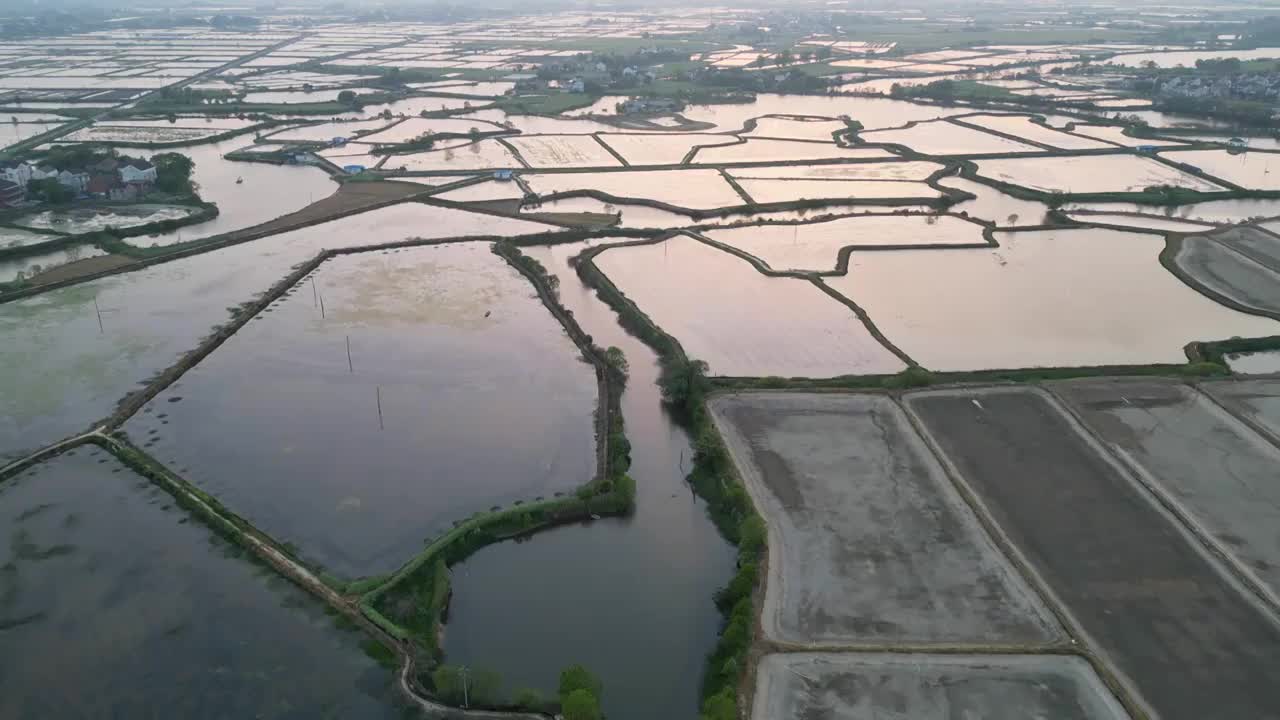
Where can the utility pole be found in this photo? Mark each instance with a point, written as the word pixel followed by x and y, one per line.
pixel 465 700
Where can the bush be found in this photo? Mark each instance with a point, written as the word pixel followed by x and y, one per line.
pixel 720 706
pixel 576 677
pixel 912 377
pixel 580 705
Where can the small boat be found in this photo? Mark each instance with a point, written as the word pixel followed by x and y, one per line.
pixel 239 181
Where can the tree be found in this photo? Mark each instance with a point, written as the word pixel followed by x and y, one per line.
pixel 684 383
pixel 447 680
pixel 173 172
pixel 51 191
pixel 785 57
pixel 347 97
pixel 580 705
pixel 576 677
pixel 617 362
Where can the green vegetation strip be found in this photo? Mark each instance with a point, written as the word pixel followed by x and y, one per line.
pixel 713 477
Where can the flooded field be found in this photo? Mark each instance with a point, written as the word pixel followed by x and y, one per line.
pixel 1114 134
pixel 557 151
pixel 11 133
pixel 840 571
pixel 268 191
pixel 916 170
pixel 366 450
pixel 1091 173
pixel 783 191
pixel 693 189
pixel 1021 126
pixel 12 269
pixel 1093 536
pixel 327 131
pixel 945 138
pixel 993 687
pixel 76 221
pixel 815 246
pixel 411 128
pixel 482 155
pixel 796 128
pixel 873 113
pixel 1209 464
pixel 107 582
pixel 70 371
pixel 141 135
pixel 1149 222
pixel 15 238
pixel 659 631
pixel 659 149
pixel 767 150
pixel 995 206
pixel 1251 171
pixel 747 324
pixel 1024 304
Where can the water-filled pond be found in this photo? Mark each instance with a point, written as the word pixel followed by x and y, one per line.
pixel 116 603
pixel 382 400
pixel 66 370
pixel 741 322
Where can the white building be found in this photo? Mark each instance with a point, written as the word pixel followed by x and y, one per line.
pixel 137 171
pixel 18 173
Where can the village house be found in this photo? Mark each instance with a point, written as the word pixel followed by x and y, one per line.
pixel 18 173
pixel 137 172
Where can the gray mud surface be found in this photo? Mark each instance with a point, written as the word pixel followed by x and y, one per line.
pixel 1256 400
pixel 869 541
pixel 1163 615
pixel 1260 246
pixel 853 686
pixel 1229 274
pixel 1211 465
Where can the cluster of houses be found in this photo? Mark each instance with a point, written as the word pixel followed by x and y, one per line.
pixel 111 178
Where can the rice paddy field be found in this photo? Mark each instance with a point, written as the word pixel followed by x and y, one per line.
pixel 946 138
pixel 815 246
pixel 693 189
pixel 904 441
pixel 1092 173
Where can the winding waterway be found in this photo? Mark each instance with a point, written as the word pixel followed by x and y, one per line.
pixel 629 598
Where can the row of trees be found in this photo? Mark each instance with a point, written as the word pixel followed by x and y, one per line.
pixel 578 697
